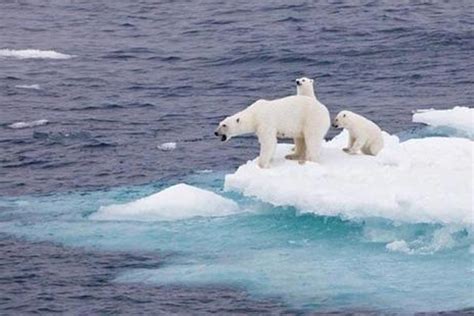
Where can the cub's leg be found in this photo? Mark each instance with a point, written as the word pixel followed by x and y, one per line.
pixel 373 148
pixel 350 144
pixel 357 146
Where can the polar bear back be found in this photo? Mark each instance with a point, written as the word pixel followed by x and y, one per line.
pixel 290 115
pixel 359 124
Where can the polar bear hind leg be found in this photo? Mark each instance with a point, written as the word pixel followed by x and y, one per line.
pixel 300 149
pixel 373 148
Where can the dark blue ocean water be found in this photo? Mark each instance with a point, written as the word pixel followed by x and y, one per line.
pixel 143 73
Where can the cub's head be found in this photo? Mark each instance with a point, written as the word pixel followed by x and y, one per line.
pixel 304 86
pixel 342 119
pixel 229 127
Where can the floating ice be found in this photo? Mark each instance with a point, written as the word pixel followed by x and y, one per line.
pixel 419 180
pixel 177 202
pixel 31 86
pixel 459 118
pixel 33 53
pixel 18 125
pixel 167 146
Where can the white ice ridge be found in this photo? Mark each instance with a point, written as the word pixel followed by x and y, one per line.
pixel 33 53
pixel 28 124
pixel 460 118
pixel 419 180
pixel 177 202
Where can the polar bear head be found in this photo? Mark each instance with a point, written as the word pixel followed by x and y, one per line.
pixel 304 86
pixel 237 124
pixel 342 120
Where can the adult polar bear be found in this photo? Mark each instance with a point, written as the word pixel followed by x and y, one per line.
pixel 297 117
pixel 304 86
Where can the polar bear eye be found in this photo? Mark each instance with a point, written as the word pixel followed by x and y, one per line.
pixel 237 120
pixel 223 125
pixel 343 115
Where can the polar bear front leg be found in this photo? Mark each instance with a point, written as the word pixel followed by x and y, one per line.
pixel 268 142
pixel 300 148
pixel 351 143
pixel 357 146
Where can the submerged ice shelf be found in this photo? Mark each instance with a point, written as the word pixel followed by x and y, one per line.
pixel 177 202
pixel 425 180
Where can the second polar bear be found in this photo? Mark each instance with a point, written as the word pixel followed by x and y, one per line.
pixel 364 135
pixel 304 86
pixel 290 117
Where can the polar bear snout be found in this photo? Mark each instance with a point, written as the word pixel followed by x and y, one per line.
pixel 298 82
pixel 219 133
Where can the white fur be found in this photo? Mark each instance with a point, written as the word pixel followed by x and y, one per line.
pixel 298 117
pixel 304 86
pixel 364 135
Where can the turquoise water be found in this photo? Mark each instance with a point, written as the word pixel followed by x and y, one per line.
pixel 309 261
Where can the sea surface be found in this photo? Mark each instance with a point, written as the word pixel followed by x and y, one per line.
pixel 108 102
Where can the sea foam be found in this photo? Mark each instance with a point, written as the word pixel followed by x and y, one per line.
pixel 33 53
pixel 177 202
pixel 459 118
pixel 425 180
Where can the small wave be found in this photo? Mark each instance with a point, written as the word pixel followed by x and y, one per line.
pixel 31 86
pixel 167 146
pixel 19 125
pixel 33 53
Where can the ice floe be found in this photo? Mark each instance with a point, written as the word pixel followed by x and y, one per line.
pixel 459 118
pixel 177 202
pixel 419 180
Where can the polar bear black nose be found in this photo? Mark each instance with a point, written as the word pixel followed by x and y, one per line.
pixel 216 133
pixel 298 82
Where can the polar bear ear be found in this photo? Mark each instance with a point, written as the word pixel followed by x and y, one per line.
pixel 311 80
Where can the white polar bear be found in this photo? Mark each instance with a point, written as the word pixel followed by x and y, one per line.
pixel 364 135
pixel 291 117
pixel 304 86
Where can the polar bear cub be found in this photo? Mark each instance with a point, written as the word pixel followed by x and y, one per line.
pixel 290 117
pixel 364 135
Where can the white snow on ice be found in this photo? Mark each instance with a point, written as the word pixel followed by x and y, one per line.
pixel 419 180
pixel 31 86
pixel 167 146
pixel 33 53
pixel 177 202
pixel 459 118
pixel 18 125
